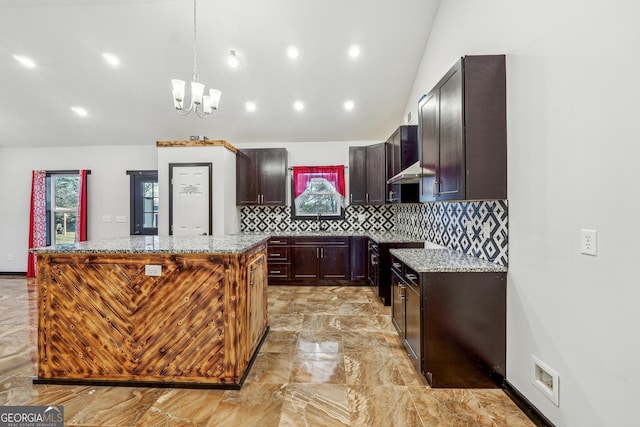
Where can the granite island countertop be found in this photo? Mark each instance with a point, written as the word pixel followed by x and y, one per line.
pixel 227 244
pixel 444 260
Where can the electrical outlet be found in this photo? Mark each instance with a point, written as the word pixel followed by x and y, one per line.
pixel 106 218
pixel 546 380
pixel 121 218
pixel 486 229
pixel 469 228
pixel 153 270
pixel 589 242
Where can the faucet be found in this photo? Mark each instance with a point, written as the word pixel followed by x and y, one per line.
pixel 322 225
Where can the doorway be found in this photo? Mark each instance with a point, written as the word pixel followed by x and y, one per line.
pixel 190 210
pixel 144 202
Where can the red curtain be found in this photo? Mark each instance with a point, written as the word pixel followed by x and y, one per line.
pixel 81 217
pixel 37 218
pixel 303 174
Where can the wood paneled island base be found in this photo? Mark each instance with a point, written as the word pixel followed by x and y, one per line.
pixel 104 319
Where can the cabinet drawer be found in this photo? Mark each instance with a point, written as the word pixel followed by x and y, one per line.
pixel 279 241
pixel 278 253
pixel 278 271
pixel 320 241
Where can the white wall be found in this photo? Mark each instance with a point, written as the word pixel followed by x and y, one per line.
pixel 107 186
pixel 573 147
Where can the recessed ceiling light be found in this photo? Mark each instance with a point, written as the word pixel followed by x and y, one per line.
pixel 111 59
pixel 292 52
pixel 79 111
pixel 298 105
pixel 27 62
pixel 354 51
pixel 348 105
pixel 250 106
pixel 232 59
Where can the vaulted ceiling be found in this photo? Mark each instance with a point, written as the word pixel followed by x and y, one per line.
pixel 132 103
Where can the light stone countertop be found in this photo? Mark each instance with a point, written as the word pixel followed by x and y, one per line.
pixel 444 260
pixel 227 244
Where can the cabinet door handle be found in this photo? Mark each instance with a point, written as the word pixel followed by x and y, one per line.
pixel 317 252
pixel 275 255
pixel 396 265
pixel 350 198
pixel 411 277
pixel 401 289
pixel 322 252
pixel 367 197
pixel 275 272
pixel 435 187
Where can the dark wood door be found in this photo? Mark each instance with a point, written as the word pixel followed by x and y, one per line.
pixel 272 175
pixel 429 143
pixel 305 262
pixel 394 157
pixel 334 262
pixel 357 175
pixel 397 303
pixel 359 255
pixel 246 177
pixel 452 160
pixel 413 323
pixel 376 174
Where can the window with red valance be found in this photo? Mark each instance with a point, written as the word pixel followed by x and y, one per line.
pixel 318 191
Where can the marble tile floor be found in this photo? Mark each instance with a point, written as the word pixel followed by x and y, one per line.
pixel 332 358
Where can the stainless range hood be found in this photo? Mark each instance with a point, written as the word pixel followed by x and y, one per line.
pixel 411 175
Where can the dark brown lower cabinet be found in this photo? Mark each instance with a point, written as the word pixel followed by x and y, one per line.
pixel 458 339
pixel 320 258
pixel 312 260
pixel 380 266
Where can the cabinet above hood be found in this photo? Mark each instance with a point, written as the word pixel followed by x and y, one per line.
pixel 411 175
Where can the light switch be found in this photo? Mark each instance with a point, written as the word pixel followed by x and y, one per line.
pixel 106 218
pixel 121 218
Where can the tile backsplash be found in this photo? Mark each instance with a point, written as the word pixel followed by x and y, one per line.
pixel 478 228
pixel 278 218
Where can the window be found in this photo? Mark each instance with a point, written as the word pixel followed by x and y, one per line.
pixel 144 202
pixel 62 208
pixel 318 192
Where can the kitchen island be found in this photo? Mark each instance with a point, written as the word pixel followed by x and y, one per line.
pixel 152 311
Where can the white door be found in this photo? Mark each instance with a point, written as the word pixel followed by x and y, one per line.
pixel 191 200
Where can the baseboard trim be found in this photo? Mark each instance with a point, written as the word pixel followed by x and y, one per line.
pixel 526 406
pixel 13 273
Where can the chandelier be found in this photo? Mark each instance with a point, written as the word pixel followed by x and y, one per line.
pixel 202 105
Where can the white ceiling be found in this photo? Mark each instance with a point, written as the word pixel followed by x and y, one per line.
pixel 154 39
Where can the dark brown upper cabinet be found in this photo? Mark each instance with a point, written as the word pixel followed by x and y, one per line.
pixel 368 174
pixel 402 153
pixel 463 132
pixel 261 177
